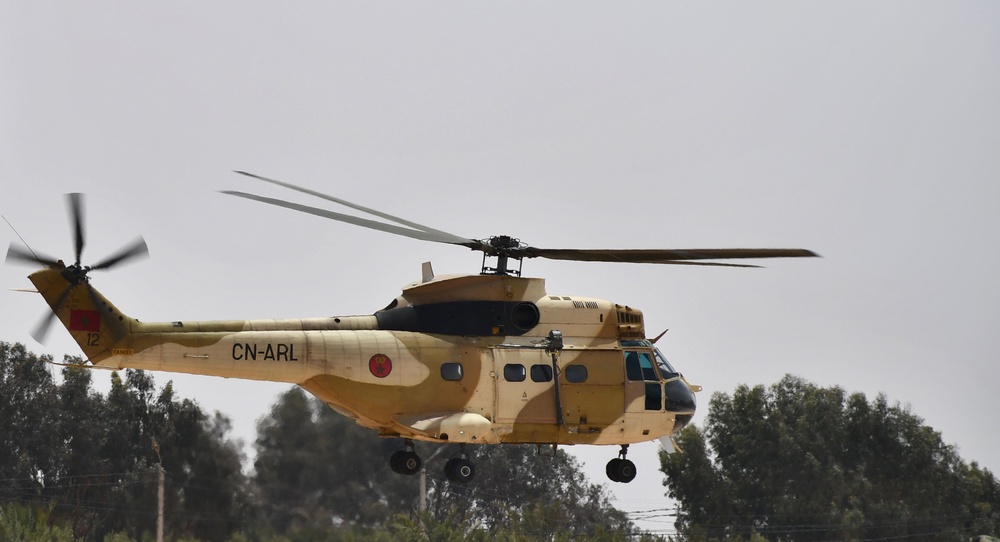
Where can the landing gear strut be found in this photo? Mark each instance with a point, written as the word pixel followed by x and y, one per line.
pixel 620 469
pixel 405 461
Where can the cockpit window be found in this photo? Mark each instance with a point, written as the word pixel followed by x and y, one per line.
pixel 640 371
pixel 665 368
pixel 632 369
pixel 639 366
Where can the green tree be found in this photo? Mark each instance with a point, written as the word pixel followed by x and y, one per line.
pixel 88 461
pixel 206 490
pixel 211 496
pixel 83 472
pixel 798 462
pixel 536 495
pixel 30 523
pixel 316 469
pixel 28 411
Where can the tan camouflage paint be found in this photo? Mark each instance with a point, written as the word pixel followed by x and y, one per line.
pixel 337 360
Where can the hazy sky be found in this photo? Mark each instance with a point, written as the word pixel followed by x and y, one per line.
pixel 866 131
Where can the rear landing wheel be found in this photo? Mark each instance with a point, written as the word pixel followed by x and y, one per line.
pixel 460 470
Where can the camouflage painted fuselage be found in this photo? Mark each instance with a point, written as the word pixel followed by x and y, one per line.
pixel 453 359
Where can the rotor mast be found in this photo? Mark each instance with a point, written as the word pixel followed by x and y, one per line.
pixel 502 248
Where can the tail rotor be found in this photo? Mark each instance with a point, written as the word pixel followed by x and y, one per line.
pixel 76 274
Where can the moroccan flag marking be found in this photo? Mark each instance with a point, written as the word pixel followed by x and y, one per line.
pixel 84 320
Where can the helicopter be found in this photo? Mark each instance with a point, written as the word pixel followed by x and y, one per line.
pixel 487 358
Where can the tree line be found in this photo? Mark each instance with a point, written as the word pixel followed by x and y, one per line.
pixel 76 464
pixel 786 462
pixel 794 461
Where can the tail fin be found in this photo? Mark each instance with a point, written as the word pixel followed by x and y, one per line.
pixel 95 324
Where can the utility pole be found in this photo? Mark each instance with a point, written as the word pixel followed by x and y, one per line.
pixel 159 493
pixel 423 489
pixel 423 479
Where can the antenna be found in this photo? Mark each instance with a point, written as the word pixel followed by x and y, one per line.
pixel 19 236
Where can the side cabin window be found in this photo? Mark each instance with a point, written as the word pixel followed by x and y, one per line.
pixel 451 371
pixel 541 373
pixel 576 373
pixel 514 372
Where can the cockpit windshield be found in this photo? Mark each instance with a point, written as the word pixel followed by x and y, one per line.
pixel 666 369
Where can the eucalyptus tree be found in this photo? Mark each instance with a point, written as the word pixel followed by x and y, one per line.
pixel 794 461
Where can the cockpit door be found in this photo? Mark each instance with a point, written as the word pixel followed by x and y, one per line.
pixel 643 390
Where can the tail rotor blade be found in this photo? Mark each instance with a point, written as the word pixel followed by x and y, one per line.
pixel 76 217
pixel 137 249
pixel 43 327
pixel 18 254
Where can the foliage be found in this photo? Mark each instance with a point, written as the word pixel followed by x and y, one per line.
pixel 79 465
pixel 90 461
pixel 530 494
pixel 27 403
pixel 789 462
pixel 798 462
pixel 316 469
pixel 30 524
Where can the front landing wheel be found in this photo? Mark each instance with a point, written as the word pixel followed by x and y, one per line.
pixel 621 470
pixel 405 462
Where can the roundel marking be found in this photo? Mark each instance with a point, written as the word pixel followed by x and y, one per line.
pixel 380 365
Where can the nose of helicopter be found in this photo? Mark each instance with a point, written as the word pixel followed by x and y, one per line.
pixel 680 400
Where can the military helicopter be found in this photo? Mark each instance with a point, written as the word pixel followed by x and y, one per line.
pixel 490 358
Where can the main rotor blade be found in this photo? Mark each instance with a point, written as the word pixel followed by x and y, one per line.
pixel 443 234
pixel 703 264
pixel 42 329
pixel 136 249
pixel 18 254
pixel 419 231
pixel 76 217
pixel 423 235
pixel 681 257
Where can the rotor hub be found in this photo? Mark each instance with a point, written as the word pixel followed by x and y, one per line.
pixel 76 274
pixel 504 244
